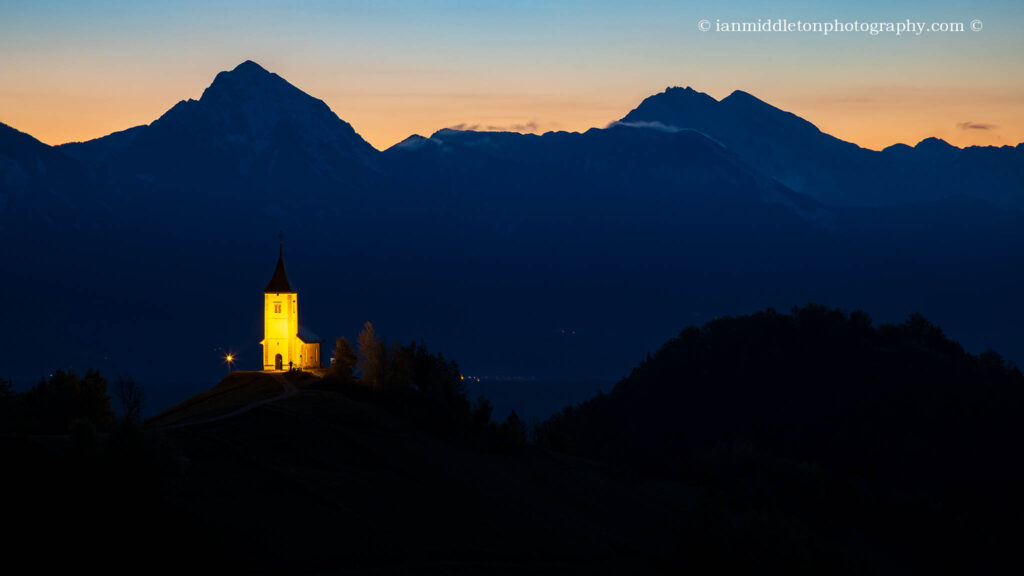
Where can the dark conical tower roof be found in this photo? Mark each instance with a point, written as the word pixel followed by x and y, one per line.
pixel 279 282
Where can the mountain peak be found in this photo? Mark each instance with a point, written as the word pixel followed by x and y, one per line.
pixel 677 94
pixel 680 90
pixel 246 79
pixel 244 113
pixel 415 142
pixel 249 67
pixel 678 107
pixel 256 105
pixel 740 102
pixel 741 97
pixel 933 143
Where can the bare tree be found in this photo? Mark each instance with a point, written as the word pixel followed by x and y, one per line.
pixel 132 397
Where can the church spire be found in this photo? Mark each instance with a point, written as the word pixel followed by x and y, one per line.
pixel 279 282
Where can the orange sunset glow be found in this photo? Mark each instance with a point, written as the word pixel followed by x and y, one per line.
pixel 526 68
pixel 871 118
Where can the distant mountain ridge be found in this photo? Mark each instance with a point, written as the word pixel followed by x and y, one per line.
pixel 556 256
pixel 249 125
pixel 795 152
pixel 39 182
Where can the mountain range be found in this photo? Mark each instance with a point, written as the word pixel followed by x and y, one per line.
pixel 554 256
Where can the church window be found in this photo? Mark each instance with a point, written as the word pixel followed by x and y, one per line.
pixel 277 307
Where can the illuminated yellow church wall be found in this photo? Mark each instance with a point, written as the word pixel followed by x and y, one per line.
pixel 280 330
pixel 285 344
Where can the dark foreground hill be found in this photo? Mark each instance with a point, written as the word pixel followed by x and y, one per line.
pixel 317 482
pixel 821 441
pixel 814 442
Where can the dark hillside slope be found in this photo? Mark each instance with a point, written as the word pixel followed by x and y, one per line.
pixel 317 482
pixel 815 432
pixel 322 483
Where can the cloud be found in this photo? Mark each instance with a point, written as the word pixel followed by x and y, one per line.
pixel 975 126
pixel 530 126
pixel 658 126
pixel 649 125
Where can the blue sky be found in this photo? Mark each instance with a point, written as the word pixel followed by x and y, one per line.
pixel 79 70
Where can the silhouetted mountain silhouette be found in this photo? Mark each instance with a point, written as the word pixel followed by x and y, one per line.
pixel 250 126
pixel 519 255
pixel 793 151
pixel 38 184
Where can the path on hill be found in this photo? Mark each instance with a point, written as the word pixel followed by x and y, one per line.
pixel 289 391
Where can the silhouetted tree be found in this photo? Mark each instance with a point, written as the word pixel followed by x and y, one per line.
pixel 426 388
pixel 399 366
pixel 132 397
pixel 482 411
pixel 345 360
pixel 992 360
pixel 370 357
pixel 95 403
pixel 9 417
pixel 53 404
pixel 513 430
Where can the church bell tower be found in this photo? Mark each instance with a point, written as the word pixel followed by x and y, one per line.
pixel 286 344
pixel 280 319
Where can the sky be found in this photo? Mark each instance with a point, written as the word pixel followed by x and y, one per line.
pixel 77 70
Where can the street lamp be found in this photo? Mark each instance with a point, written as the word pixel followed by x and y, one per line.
pixel 229 359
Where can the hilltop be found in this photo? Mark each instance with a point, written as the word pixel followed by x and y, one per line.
pixel 823 441
pixel 317 481
pixel 236 393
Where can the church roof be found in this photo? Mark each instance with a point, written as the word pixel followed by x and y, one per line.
pixel 279 282
pixel 307 335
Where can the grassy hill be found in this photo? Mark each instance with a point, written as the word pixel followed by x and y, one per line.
pixel 317 482
pixel 237 391
pixel 320 482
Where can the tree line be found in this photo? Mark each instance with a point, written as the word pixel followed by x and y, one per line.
pixel 421 386
pixel 821 442
pixel 64 400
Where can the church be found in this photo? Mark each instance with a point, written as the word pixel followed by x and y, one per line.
pixel 286 344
